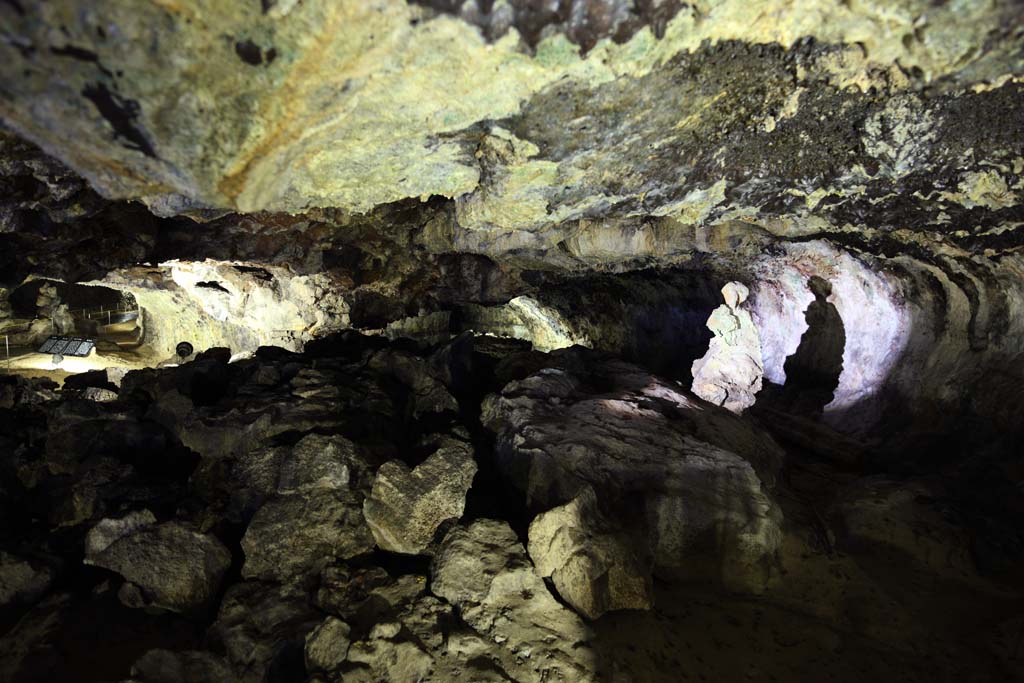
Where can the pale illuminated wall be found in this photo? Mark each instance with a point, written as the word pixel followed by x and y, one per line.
pixel 236 305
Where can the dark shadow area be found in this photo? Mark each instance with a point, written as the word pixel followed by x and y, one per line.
pixel 812 372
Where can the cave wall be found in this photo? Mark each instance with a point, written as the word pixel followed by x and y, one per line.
pixel 233 305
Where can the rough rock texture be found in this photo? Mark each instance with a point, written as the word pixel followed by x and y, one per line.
pixel 22 580
pixel 488 187
pixel 241 306
pixel 261 630
pixel 693 482
pixel 297 534
pixel 887 574
pixel 283 114
pixel 595 567
pixel 327 645
pixel 165 565
pixel 729 374
pixel 406 507
pixel 483 570
pixel 318 462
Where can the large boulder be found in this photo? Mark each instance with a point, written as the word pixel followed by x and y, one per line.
pixel 298 534
pixel 691 479
pixel 407 506
pixel 484 571
pixel 166 565
pixel 595 565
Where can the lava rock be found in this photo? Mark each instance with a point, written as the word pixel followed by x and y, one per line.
pixel 171 566
pixel 298 534
pixel 261 629
pixel 327 645
pixel 22 581
pixel 406 507
pixel 595 567
pixel 694 482
pixel 98 394
pixel 318 462
pixel 484 571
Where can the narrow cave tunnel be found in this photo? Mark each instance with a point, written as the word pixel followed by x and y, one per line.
pixel 593 340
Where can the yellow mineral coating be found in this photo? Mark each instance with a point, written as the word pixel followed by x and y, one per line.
pixel 361 102
pixel 983 188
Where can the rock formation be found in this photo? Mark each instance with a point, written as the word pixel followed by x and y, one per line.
pixel 458 396
pixel 406 507
pixel 595 567
pixel 695 484
pixel 164 565
pixel 729 374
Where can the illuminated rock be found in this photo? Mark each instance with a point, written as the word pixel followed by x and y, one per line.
pixel 730 372
pixel 407 506
pixel 484 571
pixel 595 567
pixel 327 645
pixel 238 306
pixel 699 479
pixel 298 534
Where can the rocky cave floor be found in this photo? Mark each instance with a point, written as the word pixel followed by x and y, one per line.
pixel 212 522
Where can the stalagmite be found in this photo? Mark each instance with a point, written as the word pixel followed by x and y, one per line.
pixel 730 373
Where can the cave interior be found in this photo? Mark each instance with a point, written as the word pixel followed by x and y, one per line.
pixel 504 340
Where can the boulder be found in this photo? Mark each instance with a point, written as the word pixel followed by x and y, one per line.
pixel 298 534
pixel 327 645
pixel 261 629
pixel 483 570
pixel 406 507
pixel 22 581
pixel 167 565
pixel 427 392
pixel 693 481
pixel 98 394
pixel 318 462
pixel 595 566
pixel 385 656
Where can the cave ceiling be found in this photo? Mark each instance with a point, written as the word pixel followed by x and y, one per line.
pixel 538 127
